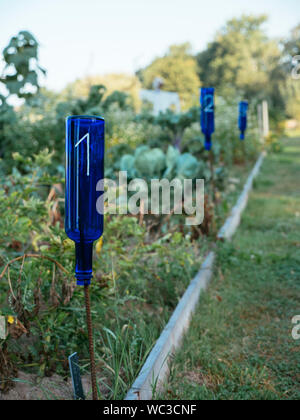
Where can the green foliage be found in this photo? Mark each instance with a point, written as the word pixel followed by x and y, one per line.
pixel 243 60
pixel 149 162
pixel 130 304
pixel 178 71
pixel 229 149
pixel 187 166
pixel 35 128
pixel 154 163
pixel 7 117
pixel 20 76
pixel 290 90
pixel 292 45
pixel 23 203
pixel 292 95
pixel 125 83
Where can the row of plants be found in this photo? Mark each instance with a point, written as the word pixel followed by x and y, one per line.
pixel 130 304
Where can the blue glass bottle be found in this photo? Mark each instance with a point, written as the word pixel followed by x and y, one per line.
pixel 207 120
pixel 84 168
pixel 242 122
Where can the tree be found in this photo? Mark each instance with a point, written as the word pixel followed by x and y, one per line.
pixel 125 83
pixel 292 96
pixel 7 116
pixel 178 69
pixel 241 58
pixel 291 89
pixel 292 44
pixel 21 71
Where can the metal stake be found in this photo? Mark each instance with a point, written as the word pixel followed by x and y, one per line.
pixel 91 342
pixel 213 186
pixel 212 172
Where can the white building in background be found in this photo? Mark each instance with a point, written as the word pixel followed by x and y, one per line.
pixel 161 100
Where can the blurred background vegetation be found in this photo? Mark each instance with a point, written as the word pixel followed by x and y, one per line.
pixel 131 303
pixel 240 62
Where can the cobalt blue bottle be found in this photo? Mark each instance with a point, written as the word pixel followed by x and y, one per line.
pixel 243 108
pixel 84 168
pixel 207 119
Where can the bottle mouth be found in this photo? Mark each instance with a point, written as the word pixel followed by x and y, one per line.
pixel 85 117
pixel 83 279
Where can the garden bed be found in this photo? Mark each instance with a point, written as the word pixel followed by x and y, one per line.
pixel 137 285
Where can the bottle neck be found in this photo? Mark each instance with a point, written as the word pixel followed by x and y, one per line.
pixel 207 143
pixel 84 263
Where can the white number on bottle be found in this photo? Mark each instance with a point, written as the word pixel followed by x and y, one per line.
pixel 87 137
pixel 209 101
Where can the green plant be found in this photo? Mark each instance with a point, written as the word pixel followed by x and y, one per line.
pixel 37 286
pixel 19 73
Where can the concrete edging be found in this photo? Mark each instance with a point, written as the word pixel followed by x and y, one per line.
pixel 156 367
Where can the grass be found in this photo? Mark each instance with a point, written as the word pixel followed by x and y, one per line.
pixel 239 345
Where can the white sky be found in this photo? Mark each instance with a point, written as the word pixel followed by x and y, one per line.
pixel 84 37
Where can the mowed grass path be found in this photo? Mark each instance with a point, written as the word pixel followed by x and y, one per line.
pixel 239 345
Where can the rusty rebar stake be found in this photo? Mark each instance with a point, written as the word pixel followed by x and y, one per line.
pixel 212 173
pixel 213 187
pixel 91 343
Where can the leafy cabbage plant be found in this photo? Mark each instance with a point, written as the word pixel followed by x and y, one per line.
pixel 150 163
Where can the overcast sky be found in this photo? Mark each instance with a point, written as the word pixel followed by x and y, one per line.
pixel 84 37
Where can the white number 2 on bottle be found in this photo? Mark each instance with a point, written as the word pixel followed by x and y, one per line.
pixel 209 101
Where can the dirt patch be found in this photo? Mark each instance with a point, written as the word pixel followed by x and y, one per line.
pixel 31 387
pixel 203 379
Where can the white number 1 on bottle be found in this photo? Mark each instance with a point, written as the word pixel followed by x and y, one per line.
pixel 87 136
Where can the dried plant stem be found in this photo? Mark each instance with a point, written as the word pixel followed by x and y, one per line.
pixel 32 256
pixel 10 286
